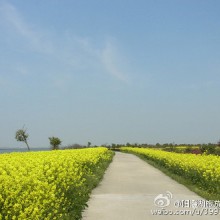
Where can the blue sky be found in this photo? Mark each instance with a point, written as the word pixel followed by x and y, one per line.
pixel 116 71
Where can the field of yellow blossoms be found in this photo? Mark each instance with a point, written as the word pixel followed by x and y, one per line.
pixel 202 170
pixel 50 184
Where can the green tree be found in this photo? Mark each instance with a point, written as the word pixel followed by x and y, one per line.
pixel 158 145
pixel 89 144
pixel 21 135
pixel 55 142
pixel 208 148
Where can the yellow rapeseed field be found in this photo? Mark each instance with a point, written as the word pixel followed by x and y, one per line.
pixel 203 170
pixel 49 185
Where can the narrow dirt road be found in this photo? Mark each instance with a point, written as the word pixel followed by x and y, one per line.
pixel 134 190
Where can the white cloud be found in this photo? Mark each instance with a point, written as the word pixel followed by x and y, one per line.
pixel 13 17
pixel 22 70
pixel 15 22
pixel 109 59
pixel 202 85
pixel 66 51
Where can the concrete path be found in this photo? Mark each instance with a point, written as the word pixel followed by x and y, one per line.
pixel 131 190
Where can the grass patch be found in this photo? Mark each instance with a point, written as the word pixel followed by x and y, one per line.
pixel 191 186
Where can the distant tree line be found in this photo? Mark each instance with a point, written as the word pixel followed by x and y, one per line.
pixel 79 146
pixel 210 148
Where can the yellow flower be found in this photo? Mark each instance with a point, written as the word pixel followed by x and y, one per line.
pixel 35 184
